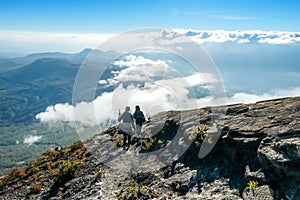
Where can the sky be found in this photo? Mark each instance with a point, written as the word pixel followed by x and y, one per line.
pixel 265 49
pixel 74 16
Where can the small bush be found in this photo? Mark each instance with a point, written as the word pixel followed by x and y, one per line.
pixel 76 145
pixel 253 184
pixel 133 191
pixel 111 130
pixel 119 141
pixel 36 188
pixel 99 172
pixel 66 171
pixel 50 154
pixel 148 143
pixel 199 134
pixel 17 172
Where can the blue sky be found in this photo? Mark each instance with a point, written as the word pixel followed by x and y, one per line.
pixel 255 65
pixel 71 16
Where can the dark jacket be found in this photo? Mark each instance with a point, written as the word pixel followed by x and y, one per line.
pixel 139 117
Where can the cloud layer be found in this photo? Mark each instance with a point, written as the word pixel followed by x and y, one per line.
pixel 221 36
pixel 150 83
pixel 152 101
pixel 32 42
pixel 30 139
pixel 155 86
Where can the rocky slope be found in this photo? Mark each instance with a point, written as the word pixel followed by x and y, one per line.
pixel 256 156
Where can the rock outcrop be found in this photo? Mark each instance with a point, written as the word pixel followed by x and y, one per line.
pixel 242 151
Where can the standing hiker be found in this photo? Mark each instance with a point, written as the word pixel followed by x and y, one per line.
pixel 126 126
pixel 139 119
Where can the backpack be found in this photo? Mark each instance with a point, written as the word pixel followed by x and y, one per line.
pixel 139 117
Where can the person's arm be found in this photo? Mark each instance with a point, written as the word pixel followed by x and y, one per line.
pixel 120 117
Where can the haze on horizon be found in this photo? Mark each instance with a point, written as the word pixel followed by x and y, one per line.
pixel 69 26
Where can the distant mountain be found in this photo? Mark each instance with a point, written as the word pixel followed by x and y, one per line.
pixel 48 78
pixel 30 89
pixel 16 62
pixel 75 58
pixel 43 68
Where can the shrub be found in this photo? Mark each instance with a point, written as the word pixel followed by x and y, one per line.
pixel 111 130
pixel 99 172
pixel 50 154
pixel 66 171
pixel 133 191
pixel 119 141
pixel 148 143
pixel 199 134
pixel 17 172
pixel 76 145
pixel 36 188
pixel 253 184
pixel 73 147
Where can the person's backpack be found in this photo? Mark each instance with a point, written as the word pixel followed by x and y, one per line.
pixel 139 117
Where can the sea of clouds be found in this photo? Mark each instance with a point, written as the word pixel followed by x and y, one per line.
pixel 156 85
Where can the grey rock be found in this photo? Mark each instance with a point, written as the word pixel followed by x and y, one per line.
pixel 251 142
pixel 262 192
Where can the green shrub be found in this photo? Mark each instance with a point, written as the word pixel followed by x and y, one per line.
pixel 133 191
pixel 199 134
pixel 66 171
pixel 119 141
pixel 99 172
pixel 253 184
pixel 36 188
pixel 148 143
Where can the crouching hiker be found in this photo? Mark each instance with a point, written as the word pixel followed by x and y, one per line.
pixel 126 127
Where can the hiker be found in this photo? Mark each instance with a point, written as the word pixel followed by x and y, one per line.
pixel 126 126
pixel 139 120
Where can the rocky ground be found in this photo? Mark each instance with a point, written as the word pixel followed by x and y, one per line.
pixel 242 151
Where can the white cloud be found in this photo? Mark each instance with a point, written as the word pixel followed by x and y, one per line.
pixel 276 37
pixel 102 82
pixel 252 98
pixel 153 85
pixel 176 36
pixel 33 42
pixel 30 139
pixel 58 112
pixel 153 99
pixel 140 69
pixel 149 83
pixel 200 79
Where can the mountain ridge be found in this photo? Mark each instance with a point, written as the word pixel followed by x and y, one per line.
pixel 255 157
